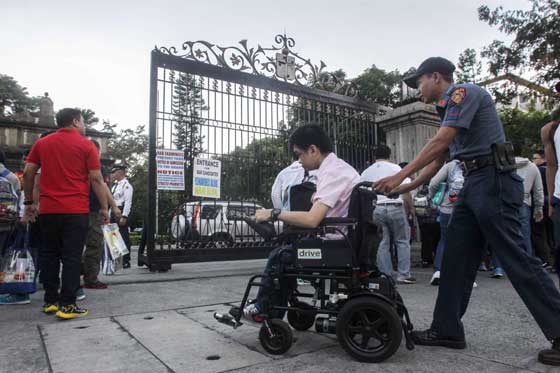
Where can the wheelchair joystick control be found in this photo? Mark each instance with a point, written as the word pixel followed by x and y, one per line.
pixel 325 325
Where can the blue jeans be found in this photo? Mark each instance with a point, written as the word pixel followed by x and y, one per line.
pixel 443 223
pixel 488 211
pixel 396 229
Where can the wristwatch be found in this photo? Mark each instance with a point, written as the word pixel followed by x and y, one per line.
pixel 274 213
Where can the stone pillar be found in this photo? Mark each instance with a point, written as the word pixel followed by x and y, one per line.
pixel 46 111
pixel 408 128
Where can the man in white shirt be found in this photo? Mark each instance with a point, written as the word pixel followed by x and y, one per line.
pixel 292 175
pixel 122 193
pixel 391 214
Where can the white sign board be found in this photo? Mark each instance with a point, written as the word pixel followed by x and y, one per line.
pixel 170 165
pixel 207 175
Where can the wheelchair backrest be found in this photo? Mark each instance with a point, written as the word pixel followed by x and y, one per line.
pixel 300 196
pixel 364 235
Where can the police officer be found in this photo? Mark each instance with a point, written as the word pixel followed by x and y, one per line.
pixel 122 193
pixel 487 209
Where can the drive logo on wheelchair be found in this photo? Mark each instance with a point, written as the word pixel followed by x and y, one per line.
pixel 309 254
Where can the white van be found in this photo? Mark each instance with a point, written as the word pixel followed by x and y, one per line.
pixel 219 221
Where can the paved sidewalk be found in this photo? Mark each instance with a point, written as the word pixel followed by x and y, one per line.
pixel 167 326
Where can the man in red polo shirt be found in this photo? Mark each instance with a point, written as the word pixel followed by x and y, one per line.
pixel 68 163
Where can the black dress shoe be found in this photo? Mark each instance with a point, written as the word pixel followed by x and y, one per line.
pixel 551 356
pixel 126 265
pixel 430 337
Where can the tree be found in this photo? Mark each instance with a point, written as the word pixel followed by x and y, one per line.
pixel 128 146
pixel 14 97
pixel 536 43
pixel 379 86
pixel 469 67
pixel 524 127
pixel 90 120
pixel 187 107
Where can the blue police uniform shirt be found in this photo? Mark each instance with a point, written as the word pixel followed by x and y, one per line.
pixel 471 109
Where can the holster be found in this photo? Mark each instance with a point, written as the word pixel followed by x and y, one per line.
pixel 504 158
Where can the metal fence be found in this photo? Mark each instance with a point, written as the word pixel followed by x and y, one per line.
pixel 238 105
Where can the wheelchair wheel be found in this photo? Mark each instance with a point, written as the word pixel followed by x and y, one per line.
pixel 278 339
pixel 369 329
pixel 301 320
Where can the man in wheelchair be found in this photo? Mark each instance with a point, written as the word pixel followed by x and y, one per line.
pixel 335 182
pixel 326 242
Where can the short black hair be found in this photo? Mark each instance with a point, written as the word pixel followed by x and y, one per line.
pixel 382 152
pixel 2 156
pixel 540 152
pixel 65 117
pixel 447 77
pixel 311 134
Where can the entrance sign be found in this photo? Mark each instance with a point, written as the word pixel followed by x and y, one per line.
pixel 206 178
pixel 170 165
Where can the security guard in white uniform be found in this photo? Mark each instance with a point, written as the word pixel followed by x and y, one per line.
pixel 122 193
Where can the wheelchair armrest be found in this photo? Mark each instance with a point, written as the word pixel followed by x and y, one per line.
pixel 265 229
pixel 338 221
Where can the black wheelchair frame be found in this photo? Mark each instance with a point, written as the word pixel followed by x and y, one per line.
pixel 358 304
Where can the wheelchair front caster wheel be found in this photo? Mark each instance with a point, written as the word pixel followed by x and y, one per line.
pixel 276 337
pixel 301 320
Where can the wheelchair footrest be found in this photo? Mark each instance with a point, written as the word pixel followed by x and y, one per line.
pixel 226 319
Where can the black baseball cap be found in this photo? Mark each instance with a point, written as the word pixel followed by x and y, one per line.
pixel 431 65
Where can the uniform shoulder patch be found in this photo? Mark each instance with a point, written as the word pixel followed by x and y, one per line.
pixel 458 95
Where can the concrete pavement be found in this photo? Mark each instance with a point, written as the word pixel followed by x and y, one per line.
pixel 162 322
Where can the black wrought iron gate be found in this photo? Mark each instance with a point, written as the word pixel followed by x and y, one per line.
pixel 237 105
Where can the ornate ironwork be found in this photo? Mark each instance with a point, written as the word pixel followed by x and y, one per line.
pixel 262 61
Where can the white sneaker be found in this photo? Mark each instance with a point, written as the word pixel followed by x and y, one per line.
pixel 435 278
pixel 251 313
pixel 474 285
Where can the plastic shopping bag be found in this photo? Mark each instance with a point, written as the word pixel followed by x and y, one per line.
pixel 17 268
pixel 110 266
pixel 114 241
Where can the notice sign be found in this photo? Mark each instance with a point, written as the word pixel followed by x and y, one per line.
pixel 206 178
pixel 170 165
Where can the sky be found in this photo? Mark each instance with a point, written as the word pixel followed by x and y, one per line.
pixel 96 54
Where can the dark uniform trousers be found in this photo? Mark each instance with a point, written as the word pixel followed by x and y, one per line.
pixel 556 230
pixel 124 234
pixel 488 210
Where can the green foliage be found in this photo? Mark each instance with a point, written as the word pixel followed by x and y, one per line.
pixel 536 42
pixel 128 146
pixel 187 106
pixel 379 86
pixel 14 97
pixel 469 67
pixel 90 120
pixel 524 127
pixel 248 173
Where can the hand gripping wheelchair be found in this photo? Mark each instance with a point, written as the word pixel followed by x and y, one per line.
pixel 351 298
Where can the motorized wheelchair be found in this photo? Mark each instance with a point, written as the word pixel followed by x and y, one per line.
pixel 351 298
